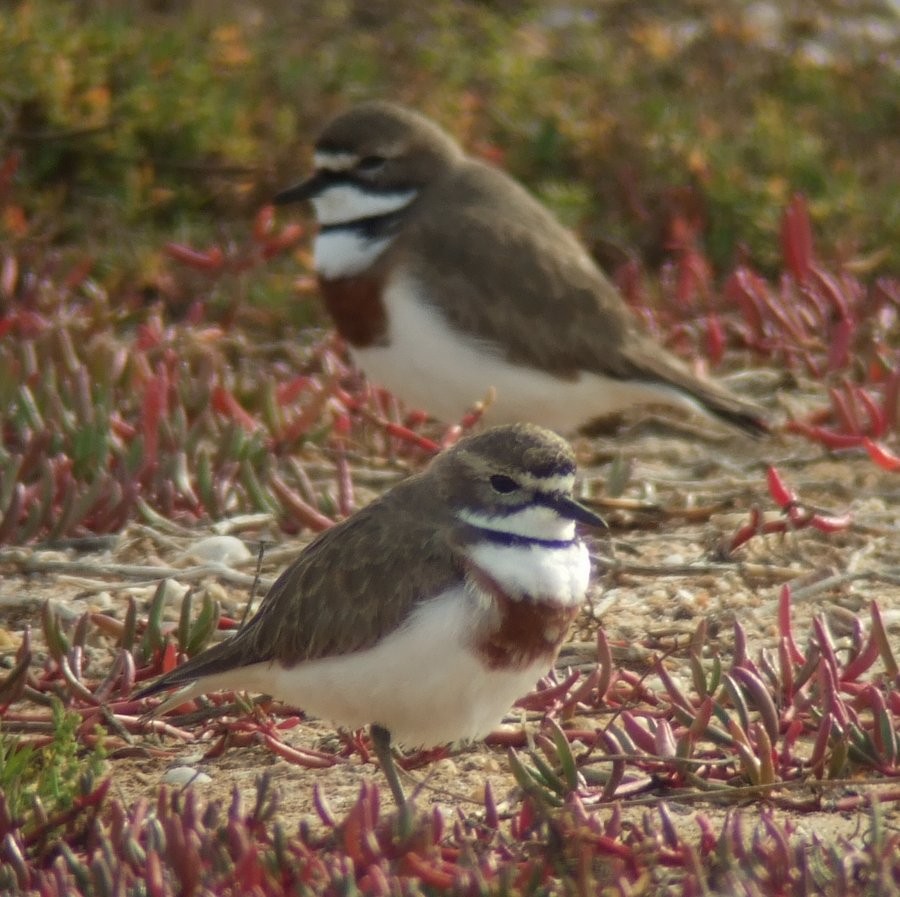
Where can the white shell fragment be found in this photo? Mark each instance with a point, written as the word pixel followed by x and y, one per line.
pixel 179 776
pixel 228 550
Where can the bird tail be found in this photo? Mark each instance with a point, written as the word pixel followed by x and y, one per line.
pixel 206 671
pixel 744 415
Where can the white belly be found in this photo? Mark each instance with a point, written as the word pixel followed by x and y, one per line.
pixel 433 368
pixel 423 683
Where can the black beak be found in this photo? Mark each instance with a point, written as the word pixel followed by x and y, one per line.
pixel 309 188
pixel 572 510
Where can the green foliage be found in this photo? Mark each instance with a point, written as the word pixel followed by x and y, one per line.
pixel 40 782
pixel 167 121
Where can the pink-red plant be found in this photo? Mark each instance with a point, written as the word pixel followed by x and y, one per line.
pixel 796 516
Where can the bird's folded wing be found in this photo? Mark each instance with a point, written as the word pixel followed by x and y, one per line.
pixel 569 317
pixel 351 586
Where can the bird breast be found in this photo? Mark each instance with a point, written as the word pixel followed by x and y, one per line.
pixel 530 595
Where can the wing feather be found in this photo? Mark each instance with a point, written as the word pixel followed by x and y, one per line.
pixel 593 330
pixel 349 587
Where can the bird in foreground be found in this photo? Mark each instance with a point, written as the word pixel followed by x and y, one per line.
pixel 447 278
pixel 427 613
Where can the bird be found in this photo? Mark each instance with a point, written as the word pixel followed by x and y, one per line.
pixel 427 613
pixel 448 281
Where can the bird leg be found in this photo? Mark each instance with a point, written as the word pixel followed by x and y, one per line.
pixel 381 743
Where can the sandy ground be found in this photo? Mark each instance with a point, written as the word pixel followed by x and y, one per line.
pixel 656 576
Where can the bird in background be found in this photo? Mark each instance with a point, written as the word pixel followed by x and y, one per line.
pixel 447 279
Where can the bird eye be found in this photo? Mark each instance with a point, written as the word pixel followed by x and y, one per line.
pixel 370 164
pixel 503 484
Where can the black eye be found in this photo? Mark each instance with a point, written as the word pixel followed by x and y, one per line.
pixel 500 483
pixel 370 164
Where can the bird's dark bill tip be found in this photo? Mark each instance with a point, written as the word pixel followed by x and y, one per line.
pixel 299 192
pixel 573 510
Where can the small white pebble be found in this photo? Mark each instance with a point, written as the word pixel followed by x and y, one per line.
pixel 219 549
pixel 217 593
pixel 447 766
pixel 103 601
pixel 179 776
pixel 603 603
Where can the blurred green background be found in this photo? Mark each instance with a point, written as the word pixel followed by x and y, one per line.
pixel 138 123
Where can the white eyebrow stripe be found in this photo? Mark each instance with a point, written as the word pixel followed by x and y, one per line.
pixel 563 483
pixel 335 161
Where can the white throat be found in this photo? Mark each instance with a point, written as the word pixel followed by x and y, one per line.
pixel 558 574
pixel 348 204
pixel 344 250
pixel 553 567
pixel 346 253
pixel 531 522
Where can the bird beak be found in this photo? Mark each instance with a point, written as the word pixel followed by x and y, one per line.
pixel 572 510
pixel 308 189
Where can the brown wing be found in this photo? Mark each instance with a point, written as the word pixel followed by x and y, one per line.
pixel 525 246
pixel 592 329
pixel 348 588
